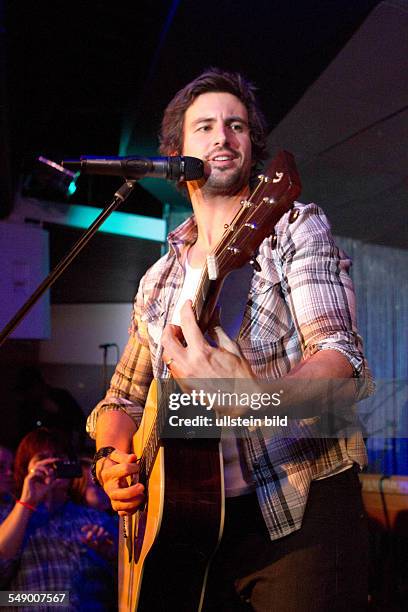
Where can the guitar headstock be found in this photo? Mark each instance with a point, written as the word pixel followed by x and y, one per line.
pixel 273 196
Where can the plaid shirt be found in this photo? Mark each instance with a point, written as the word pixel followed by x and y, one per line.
pixel 53 558
pixel 301 301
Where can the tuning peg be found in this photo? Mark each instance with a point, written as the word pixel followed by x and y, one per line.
pixel 269 201
pixel 234 250
pixel 246 203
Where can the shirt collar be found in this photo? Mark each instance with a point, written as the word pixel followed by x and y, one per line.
pixel 185 234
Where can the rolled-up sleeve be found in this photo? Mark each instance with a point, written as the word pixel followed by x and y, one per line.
pixel 133 374
pixel 320 292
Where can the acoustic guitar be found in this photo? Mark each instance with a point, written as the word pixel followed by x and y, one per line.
pixel 166 547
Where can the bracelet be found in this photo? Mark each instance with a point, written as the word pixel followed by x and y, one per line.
pixel 105 451
pixel 29 506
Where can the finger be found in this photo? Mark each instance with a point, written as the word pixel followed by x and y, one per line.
pixel 42 462
pixel 50 461
pixel 130 506
pixel 171 341
pixel 225 342
pixel 91 534
pixel 135 491
pixel 178 333
pixel 121 457
pixel 120 470
pixel 175 357
pixel 38 473
pixel 215 320
pixel 191 331
pixel 128 499
pixel 127 507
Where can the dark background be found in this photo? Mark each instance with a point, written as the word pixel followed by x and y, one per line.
pixel 94 77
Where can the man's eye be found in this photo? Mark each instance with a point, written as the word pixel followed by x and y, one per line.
pixel 203 128
pixel 237 127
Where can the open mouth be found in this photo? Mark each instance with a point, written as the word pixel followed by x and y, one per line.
pixel 223 160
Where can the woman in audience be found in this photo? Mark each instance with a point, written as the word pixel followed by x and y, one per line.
pixel 49 543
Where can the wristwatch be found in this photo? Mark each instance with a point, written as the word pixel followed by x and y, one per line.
pixel 105 451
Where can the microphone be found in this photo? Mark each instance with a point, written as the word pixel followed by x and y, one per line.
pixel 107 345
pixel 174 168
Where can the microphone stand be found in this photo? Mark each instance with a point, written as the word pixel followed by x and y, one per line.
pixel 119 197
pixel 105 369
pixel 105 348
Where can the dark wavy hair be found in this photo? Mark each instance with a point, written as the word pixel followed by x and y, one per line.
pixel 214 80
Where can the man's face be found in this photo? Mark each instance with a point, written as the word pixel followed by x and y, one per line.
pixel 216 130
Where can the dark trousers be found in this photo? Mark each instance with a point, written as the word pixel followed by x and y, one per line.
pixel 320 568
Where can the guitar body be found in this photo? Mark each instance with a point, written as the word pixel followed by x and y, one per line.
pixel 163 563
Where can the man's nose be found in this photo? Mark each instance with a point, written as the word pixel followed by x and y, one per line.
pixel 220 134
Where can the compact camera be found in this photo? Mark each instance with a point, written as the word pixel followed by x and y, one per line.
pixel 67 469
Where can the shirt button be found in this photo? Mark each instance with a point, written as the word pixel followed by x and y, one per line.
pixel 255 464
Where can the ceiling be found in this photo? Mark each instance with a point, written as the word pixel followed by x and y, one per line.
pixel 349 132
pixel 94 78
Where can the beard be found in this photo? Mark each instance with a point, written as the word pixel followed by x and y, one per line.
pixel 225 182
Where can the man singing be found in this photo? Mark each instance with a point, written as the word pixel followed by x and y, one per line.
pixel 295 533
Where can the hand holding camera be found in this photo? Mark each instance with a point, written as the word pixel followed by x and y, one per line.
pixel 44 475
pixel 38 480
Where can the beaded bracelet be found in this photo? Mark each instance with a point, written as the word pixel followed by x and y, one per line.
pixel 29 506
